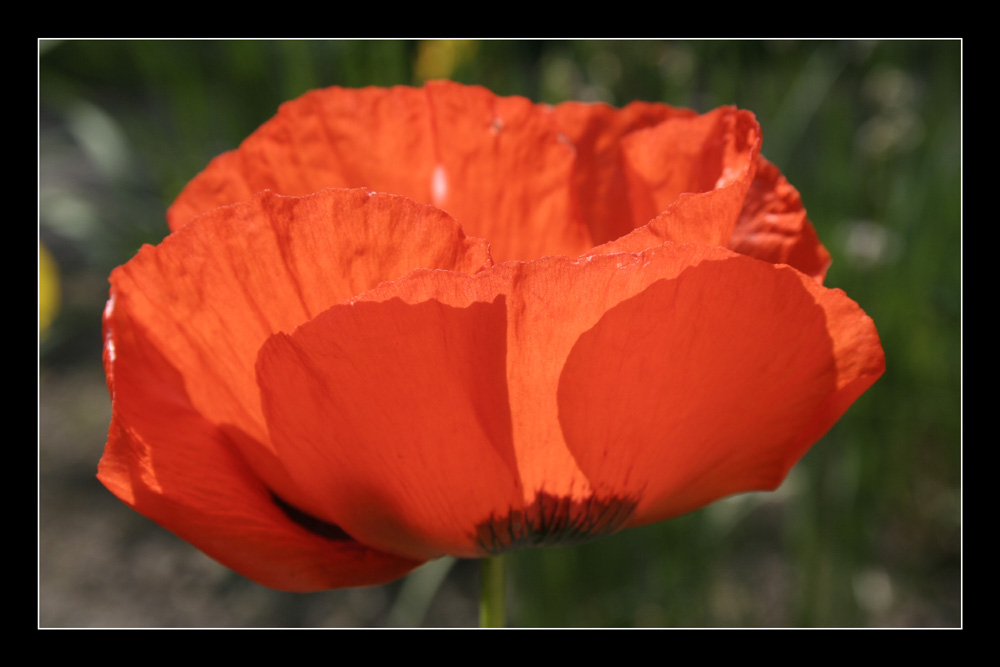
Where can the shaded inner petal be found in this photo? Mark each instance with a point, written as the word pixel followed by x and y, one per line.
pixel 315 526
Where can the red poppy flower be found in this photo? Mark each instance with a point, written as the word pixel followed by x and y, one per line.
pixel 325 376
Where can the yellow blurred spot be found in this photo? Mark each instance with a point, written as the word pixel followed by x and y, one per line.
pixel 439 58
pixel 48 289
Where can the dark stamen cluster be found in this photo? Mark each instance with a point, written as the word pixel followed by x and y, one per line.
pixel 554 521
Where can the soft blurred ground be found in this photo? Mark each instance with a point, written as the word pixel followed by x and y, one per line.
pixel 865 532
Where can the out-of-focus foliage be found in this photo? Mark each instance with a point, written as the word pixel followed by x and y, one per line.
pixel 866 531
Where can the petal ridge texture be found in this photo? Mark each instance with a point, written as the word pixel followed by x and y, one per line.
pixel 401 323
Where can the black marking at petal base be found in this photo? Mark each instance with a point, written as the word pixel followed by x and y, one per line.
pixel 315 526
pixel 554 521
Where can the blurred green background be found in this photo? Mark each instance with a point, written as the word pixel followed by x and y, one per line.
pixel 866 531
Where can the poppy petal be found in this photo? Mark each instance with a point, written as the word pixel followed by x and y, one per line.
pixel 678 359
pixel 711 380
pixel 504 171
pixel 499 166
pixel 212 292
pixel 335 138
pixel 773 225
pixel 217 504
pixel 693 191
pixel 397 416
pixel 702 154
pixel 592 173
pixel 600 184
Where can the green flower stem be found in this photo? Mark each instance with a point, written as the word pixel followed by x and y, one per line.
pixel 491 594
